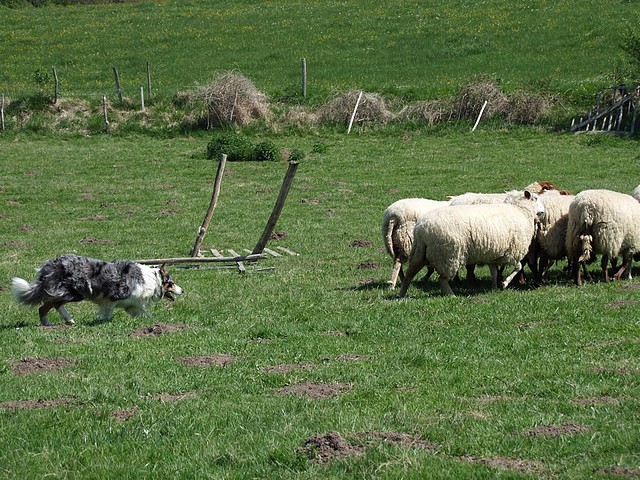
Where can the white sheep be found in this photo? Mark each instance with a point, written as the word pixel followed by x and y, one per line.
pixel 603 222
pixel 398 221
pixel 551 236
pixel 497 234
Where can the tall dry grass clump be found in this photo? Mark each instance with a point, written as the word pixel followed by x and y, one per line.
pixel 471 97
pixel 371 110
pixel 232 98
pixel 528 108
pixel 430 112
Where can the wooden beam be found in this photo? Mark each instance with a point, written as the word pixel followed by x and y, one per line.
pixel 243 258
pixel 275 214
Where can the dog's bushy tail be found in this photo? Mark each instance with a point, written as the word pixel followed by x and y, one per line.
pixel 26 293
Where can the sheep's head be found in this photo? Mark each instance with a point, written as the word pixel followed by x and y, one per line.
pixel 536 200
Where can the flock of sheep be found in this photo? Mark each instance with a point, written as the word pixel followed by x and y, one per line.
pixel 535 226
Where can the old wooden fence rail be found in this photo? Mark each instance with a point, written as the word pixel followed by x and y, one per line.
pixel 616 111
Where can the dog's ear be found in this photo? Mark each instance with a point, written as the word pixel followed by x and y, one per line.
pixel 163 270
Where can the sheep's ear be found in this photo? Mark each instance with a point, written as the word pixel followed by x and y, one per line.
pixel 527 194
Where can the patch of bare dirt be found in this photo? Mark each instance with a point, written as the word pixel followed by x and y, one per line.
pixel 286 368
pixel 125 414
pixel 217 360
pixel 361 243
pixel 34 365
pixel 505 463
pixel 311 201
pixel 347 357
pixel 328 446
pixel 315 390
pixel 157 329
pixel 630 286
pixel 622 303
pixel 280 235
pixel 368 266
pixel 556 430
pixel 31 404
pixel 170 397
pixel 96 241
pixel 628 472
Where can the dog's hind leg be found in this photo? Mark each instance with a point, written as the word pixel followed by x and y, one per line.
pixel 43 311
pixel 105 311
pixel 66 315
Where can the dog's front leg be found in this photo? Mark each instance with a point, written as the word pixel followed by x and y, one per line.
pixel 67 317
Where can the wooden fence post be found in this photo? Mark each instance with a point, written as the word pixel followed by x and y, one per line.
pixel 2 112
pixel 212 206
pixel 304 77
pixel 149 81
pixel 142 98
pixel 117 79
pixel 275 214
pixel 55 85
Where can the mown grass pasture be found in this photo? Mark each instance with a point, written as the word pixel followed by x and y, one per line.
pixel 248 375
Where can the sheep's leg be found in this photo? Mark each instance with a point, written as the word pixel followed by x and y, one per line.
pixel 43 311
pixel 397 270
pixel 543 267
pixel 494 276
pixel 427 275
pixel 507 280
pixel 471 275
pixel 626 267
pixel 446 288
pixel 604 264
pixel 418 260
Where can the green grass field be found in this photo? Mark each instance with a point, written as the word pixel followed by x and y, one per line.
pixel 415 49
pixel 524 382
pixel 307 366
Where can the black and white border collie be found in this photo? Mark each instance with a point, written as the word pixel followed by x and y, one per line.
pixel 118 284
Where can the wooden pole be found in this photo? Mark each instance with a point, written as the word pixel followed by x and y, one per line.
pixel 149 81
pixel 142 98
pixel 2 112
pixel 170 260
pixel 304 77
pixel 104 113
pixel 55 85
pixel 195 251
pixel 275 214
pixel 116 75
pixel 353 115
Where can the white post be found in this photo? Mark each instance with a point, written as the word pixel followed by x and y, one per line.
pixel 480 115
pixel 142 97
pixel 353 115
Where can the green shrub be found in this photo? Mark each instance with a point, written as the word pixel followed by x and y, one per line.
pixel 266 151
pixel 235 146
